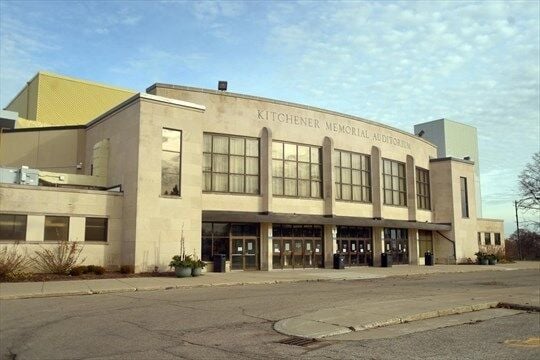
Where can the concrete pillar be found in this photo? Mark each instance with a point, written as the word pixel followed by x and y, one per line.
pixel 35 227
pixel 413 246
pixel 329 233
pixel 328 176
pixel 266 246
pixel 376 187
pixel 76 228
pixel 377 245
pixel 410 172
pixel 266 170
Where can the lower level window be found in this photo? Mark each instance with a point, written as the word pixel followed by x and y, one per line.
pixel 56 228
pixel 497 239
pixel 95 229
pixel 12 227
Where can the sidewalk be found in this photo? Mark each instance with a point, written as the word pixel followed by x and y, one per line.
pixel 87 287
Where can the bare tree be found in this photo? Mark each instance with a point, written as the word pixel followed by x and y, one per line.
pixel 529 188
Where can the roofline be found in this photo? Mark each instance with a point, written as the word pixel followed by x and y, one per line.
pixel 63 77
pixel 450 158
pixel 286 103
pixel 160 99
pixel 45 128
pixel 445 119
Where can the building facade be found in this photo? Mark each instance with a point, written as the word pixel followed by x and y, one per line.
pixel 270 184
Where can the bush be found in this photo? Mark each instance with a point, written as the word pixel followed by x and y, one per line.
pixel 127 269
pixel 98 270
pixel 59 260
pixel 78 270
pixel 12 263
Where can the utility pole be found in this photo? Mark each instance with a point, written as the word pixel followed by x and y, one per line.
pixel 520 254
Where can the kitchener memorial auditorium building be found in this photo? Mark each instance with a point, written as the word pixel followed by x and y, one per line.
pixel 270 184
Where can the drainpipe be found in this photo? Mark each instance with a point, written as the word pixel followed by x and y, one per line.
pixel 453 244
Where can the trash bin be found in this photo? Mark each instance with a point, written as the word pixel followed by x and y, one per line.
pixel 386 260
pixel 428 258
pixel 219 262
pixel 339 261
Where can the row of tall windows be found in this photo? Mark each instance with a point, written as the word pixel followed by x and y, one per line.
pixel 231 165
pixel 56 228
pixel 488 237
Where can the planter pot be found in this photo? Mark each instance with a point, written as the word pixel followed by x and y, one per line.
pixel 483 261
pixel 196 272
pixel 492 261
pixel 182 272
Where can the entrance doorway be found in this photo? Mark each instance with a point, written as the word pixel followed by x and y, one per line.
pixel 356 244
pixel 396 242
pixel 297 246
pixel 244 253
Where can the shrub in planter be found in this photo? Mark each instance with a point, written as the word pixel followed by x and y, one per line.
pixel 182 265
pixel 197 267
pixel 481 258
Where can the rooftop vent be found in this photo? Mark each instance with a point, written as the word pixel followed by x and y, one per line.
pixel 222 85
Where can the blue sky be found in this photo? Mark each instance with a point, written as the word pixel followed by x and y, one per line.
pixel 399 63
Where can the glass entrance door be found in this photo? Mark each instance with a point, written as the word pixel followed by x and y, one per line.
pixel 396 243
pixel 297 247
pixel 244 254
pixel 355 244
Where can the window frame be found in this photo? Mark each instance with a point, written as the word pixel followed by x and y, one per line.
pixel 245 175
pixel 310 179
pixel 106 233
pixel 49 217
pixel 464 193
pixel 497 239
pixel 423 189
pixel 393 176
pixel 487 238
pixel 179 152
pixel 10 235
pixel 339 169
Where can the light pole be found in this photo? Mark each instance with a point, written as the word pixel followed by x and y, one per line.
pixel 520 254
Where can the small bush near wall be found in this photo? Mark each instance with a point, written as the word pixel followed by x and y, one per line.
pixel 13 264
pixel 127 269
pixel 60 259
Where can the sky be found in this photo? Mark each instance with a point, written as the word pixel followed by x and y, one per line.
pixel 398 63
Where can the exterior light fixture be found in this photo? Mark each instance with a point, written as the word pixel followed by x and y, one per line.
pixel 222 86
pixel 422 132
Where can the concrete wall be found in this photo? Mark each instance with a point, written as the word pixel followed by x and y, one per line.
pixel 56 150
pixel 37 202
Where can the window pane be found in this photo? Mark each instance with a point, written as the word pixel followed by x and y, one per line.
pixel 345 176
pixel 356 177
pixel 170 162
pixel 252 166
pixel 207 182
pixel 346 159
pixel 402 200
pixel 290 187
pixel 303 153
pixel 388 196
pixel 315 172
pixel 277 150
pixel 303 188
pixel 346 192
pixel 277 186
pixel 237 165
pixel 366 181
pixel 221 229
pixel 96 229
pixel 357 193
pixel 220 182
pixel 387 167
pixel 366 194
pixel 290 152
pixel 316 189
pixel 277 168
pixel 220 163
pixel 395 167
pixel 338 191
pixel 365 163
pixel 220 144
pixel 252 184
pixel 355 161
pixel 56 228
pixel 207 143
pixel 337 173
pixel 387 181
pixel 237 146
pixel 170 140
pixel 337 158
pixel 303 171
pixel 252 147
pixel 13 227
pixel 401 168
pixel 207 162
pixel 315 155
pixel 290 169
pixel 236 183
pixel 207 249
pixel 170 184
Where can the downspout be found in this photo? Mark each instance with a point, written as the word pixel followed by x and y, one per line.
pixel 453 244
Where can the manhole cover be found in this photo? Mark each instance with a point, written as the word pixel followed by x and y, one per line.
pixel 298 341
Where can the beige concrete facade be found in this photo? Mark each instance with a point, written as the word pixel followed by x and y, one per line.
pixel 146 227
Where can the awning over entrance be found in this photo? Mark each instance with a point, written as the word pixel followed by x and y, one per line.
pixel 281 218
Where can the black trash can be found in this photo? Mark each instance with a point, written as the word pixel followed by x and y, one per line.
pixel 428 258
pixel 339 261
pixel 386 260
pixel 219 262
